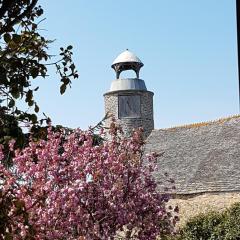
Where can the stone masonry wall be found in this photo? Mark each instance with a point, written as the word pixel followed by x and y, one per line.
pixel 192 205
pixel 128 124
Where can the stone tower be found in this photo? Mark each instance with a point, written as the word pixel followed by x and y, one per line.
pixel 128 100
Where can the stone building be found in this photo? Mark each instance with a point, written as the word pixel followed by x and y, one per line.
pixel 128 100
pixel 202 158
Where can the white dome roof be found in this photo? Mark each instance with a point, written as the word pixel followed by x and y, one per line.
pixel 127 56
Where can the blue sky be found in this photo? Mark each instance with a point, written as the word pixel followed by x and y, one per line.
pixel 188 48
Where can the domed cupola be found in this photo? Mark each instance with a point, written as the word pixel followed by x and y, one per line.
pixel 128 100
pixel 127 61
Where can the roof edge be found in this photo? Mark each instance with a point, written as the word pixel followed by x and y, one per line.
pixel 191 194
pixel 202 124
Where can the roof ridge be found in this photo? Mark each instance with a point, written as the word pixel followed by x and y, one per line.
pixel 202 124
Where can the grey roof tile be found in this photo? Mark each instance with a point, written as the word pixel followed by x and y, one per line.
pixel 201 157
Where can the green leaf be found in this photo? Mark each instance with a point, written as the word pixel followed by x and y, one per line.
pixel 16 38
pixel 7 37
pixel 63 88
pixel 17 111
pixel 70 47
pixel 22 116
pixel 30 103
pixel 33 118
pixel 36 109
pixel 34 26
pixel 26 84
pixel 66 80
pixel 72 67
pixel 3 76
pixel 29 96
pixel 15 93
pixel 11 103
pixel 39 12
pixel 34 72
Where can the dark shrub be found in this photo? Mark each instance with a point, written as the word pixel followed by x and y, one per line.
pixel 212 226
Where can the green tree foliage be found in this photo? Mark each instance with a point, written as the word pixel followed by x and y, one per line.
pixel 213 226
pixel 24 57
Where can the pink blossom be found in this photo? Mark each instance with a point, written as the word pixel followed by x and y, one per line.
pixel 68 188
pixel 11 144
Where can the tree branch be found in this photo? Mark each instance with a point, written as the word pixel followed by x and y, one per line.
pixel 20 17
pixel 6 5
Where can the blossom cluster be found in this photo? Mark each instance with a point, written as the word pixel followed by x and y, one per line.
pixel 68 187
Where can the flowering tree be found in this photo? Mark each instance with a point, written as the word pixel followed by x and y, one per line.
pixel 24 57
pixel 66 187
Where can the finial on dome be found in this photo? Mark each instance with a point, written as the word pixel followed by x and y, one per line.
pixel 127 61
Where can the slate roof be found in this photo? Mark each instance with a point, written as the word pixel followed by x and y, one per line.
pixel 202 157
